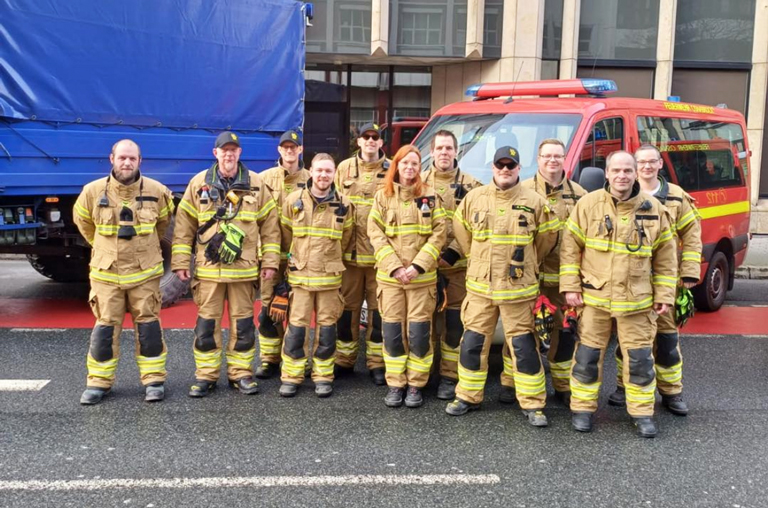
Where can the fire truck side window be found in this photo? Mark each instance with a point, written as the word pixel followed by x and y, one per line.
pixel 698 154
pixel 606 136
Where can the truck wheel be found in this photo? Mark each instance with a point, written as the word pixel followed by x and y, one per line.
pixel 60 268
pixel 709 296
pixel 171 287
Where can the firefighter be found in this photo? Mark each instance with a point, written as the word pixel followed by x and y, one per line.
pixel 317 227
pixel 686 227
pixel 561 194
pixel 225 215
pixel 281 180
pixel 617 260
pixel 407 230
pixel 123 217
pixel 505 230
pixel 359 178
pixel 451 184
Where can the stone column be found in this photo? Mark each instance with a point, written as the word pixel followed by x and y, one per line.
pixel 475 22
pixel 569 46
pixel 665 49
pixel 380 28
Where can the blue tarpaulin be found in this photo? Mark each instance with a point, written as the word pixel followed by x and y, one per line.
pixel 208 64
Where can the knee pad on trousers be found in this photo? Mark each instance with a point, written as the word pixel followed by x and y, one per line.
pixel 150 338
pixel 246 334
pixel 344 326
pixel 294 341
pixel 585 366
pixel 267 327
pixel 393 338
pixel 418 338
pixel 376 330
pixel 471 350
pixel 453 328
pixel 641 370
pixel 101 342
pixel 204 329
pixel 667 353
pixel 526 354
pixel 565 345
pixel 326 342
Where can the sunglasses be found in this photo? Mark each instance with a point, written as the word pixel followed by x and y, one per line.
pixel 374 137
pixel 508 165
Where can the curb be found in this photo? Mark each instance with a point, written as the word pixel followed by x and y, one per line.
pixel 752 272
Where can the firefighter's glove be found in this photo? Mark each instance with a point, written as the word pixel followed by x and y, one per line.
pixel 213 248
pixel 544 320
pixel 684 309
pixel 278 308
pixel 570 320
pixel 442 293
pixel 232 247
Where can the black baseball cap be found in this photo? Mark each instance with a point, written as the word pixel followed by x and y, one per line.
pixel 226 137
pixel 292 137
pixel 370 127
pixel 506 152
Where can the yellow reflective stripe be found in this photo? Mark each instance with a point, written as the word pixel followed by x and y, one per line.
pixel 641 394
pixel 181 248
pixel 308 280
pixel 508 367
pixel 431 250
pixel 145 228
pixel 575 229
pixel 203 272
pixel 189 208
pixel 269 345
pixel 481 234
pixel 323 367
pixel 361 201
pixel 268 207
pixel 663 237
pixel 107 229
pixel 347 348
pixel 663 280
pixel 205 359
pixel 450 213
pixel 550 225
pixel 315 232
pixel 502 294
pixel 601 245
pixel 691 255
pixel 130 278
pixel 584 391
pixel 511 239
pixel 292 367
pixel 422 277
pixel 549 277
pixel 382 252
pixel 151 364
pixel 373 349
pixel 438 213
pixel 395 364
pixel 672 374
pixel 242 359
pixel 605 303
pixel 569 270
pixel 722 210
pixel 104 370
pixel 286 221
pixel 376 216
pixel 460 218
pixel 349 222
pixel 449 354
pixel 471 381
pixel 360 259
pixel 560 370
pixel 407 229
pixel 274 248
pixel 81 211
pixel 422 365
pixel 685 219
pixel 531 385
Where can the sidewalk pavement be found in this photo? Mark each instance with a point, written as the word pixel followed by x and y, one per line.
pixel 756 263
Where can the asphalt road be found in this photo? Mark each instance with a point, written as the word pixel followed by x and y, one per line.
pixel 350 450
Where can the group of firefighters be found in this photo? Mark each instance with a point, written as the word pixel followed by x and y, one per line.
pixel 437 256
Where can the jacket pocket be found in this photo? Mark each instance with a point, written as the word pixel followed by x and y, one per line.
pixel 478 219
pixel 103 260
pixel 639 281
pixel 147 219
pixel 478 269
pixel 592 280
pixel 249 209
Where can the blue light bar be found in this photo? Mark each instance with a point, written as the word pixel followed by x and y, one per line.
pixel 472 90
pixel 599 86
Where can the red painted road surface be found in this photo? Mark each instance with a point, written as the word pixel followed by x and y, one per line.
pixel 38 313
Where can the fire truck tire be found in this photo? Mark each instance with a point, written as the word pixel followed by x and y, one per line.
pixel 709 296
pixel 60 268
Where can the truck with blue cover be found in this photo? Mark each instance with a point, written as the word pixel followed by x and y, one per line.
pixel 76 77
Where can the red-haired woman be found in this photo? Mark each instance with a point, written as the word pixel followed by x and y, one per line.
pixel 407 229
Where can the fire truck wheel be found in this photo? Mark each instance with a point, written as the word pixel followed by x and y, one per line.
pixel 709 296
pixel 60 268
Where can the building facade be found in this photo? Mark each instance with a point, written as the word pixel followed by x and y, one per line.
pixel 388 60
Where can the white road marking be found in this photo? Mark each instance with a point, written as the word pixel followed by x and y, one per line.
pixel 22 385
pixel 253 481
pixel 40 329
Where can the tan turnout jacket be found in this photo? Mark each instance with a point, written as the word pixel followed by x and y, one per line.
pixel 685 223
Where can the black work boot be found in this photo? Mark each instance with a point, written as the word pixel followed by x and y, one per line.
pixel 446 390
pixel 323 389
pixel 618 398
pixel 378 377
pixel 507 395
pixel 154 392
pixel 536 417
pixel 394 397
pixel 564 397
pixel 582 421
pixel 201 388
pixel 93 396
pixel 458 407
pixel 288 389
pixel 675 404
pixel 266 370
pixel 245 385
pixel 414 399
pixel 646 427
pixel 342 371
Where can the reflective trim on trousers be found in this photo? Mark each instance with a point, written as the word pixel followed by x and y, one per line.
pixel 323 368
pixel 531 385
pixel 293 368
pixel 560 370
pixel 270 345
pixel 373 349
pixel 422 365
pixel 641 394
pixel 509 369
pixel 472 381
pixel 448 354
pixel 104 370
pixel 208 359
pixel 241 359
pixel 670 375
pixel 347 348
pixel 395 364
pixel 587 392
pixel 151 364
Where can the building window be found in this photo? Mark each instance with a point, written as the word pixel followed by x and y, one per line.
pixel 619 30
pixel 354 25
pixel 553 29
pixel 421 27
pixel 714 31
pixel 493 27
